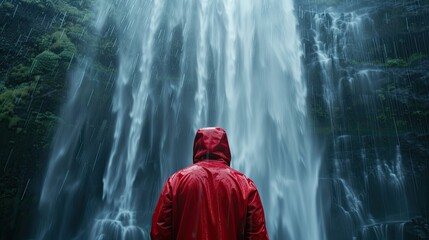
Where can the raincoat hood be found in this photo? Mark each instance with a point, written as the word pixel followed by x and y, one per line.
pixel 211 144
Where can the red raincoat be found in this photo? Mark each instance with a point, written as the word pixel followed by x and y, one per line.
pixel 209 200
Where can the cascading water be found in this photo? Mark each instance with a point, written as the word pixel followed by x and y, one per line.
pixel 367 182
pixel 184 65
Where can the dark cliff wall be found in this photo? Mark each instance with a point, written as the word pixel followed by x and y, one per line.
pixel 366 66
pixel 40 41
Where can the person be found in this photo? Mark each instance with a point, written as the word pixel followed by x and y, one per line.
pixel 209 199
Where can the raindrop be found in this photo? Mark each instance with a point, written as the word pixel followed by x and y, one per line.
pixel 406 20
pixel 396 130
pixel 78 153
pixel 71 59
pixel 83 60
pixel 15 10
pixel 17 41
pixel 32 65
pixel 109 82
pixel 2 29
pixel 25 190
pixel 90 97
pixel 32 94
pixel 98 154
pixel 111 31
pixel 8 158
pixel 40 109
pixel 81 34
pixel 62 21
pixel 43 21
pixel 28 36
pixel 394 49
pixel 53 20
pixel 65 178
pixel 385 51
pixel 417 46
pixel 19 51
pixel 62 33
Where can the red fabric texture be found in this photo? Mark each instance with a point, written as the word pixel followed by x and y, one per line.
pixel 209 200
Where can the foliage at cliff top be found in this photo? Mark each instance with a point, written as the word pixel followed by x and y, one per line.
pixel 77 9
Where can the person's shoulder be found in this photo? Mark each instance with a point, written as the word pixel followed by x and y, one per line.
pixel 184 171
pixel 242 176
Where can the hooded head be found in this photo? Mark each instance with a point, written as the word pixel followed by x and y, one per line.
pixel 211 144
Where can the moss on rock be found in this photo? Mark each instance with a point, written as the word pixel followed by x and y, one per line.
pixel 7 5
pixel 43 4
pixel 60 44
pixel 396 62
pixel 63 46
pixel 46 62
pixel 12 97
pixel 19 74
pixel 415 58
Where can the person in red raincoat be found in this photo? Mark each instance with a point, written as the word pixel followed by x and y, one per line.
pixel 209 199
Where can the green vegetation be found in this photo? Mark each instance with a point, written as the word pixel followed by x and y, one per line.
pixel 60 44
pixel 420 115
pixel 415 58
pixel 76 32
pixel 52 36
pixel 60 6
pixel 10 98
pixel 353 62
pixel 390 62
pixel 46 62
pixel 7 5
pixel 399 62
pixel 43 4
pixel 19 74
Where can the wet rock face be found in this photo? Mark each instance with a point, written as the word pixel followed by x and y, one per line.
pixel 39 42
pixel 415 80
pixel 366 65
pixel 391 29
pixel 376 49
pixel 417 228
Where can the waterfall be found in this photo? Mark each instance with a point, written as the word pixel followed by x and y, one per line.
pixel 182 65
pixel 367 180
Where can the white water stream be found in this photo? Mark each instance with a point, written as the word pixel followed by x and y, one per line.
pixel 183 65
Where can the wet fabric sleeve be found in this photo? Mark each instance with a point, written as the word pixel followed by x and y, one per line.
pixel 162 220
pixel 255 220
